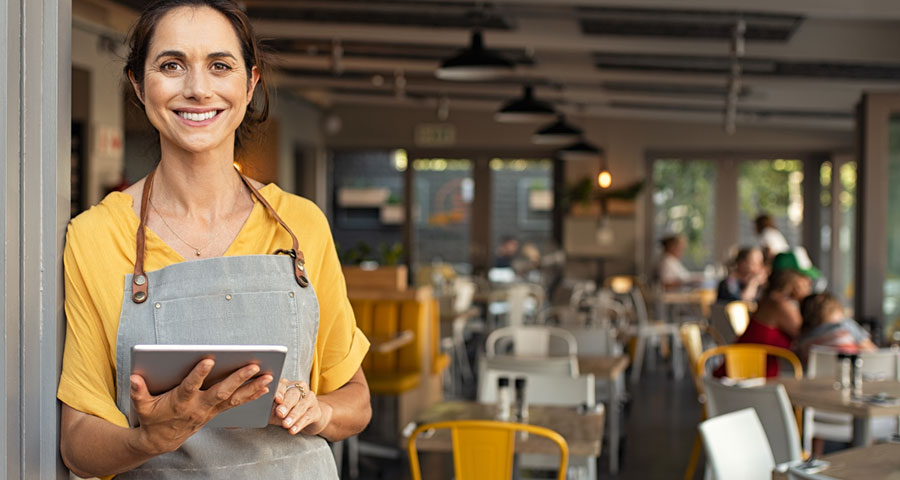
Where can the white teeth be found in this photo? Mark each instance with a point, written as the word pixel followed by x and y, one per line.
pixel 198 117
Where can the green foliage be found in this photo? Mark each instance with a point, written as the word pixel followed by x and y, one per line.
pixel 684 201
pixel 391 255
pixel 763 186
pixel 362 252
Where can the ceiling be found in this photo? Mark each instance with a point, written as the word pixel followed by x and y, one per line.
pixel 805 62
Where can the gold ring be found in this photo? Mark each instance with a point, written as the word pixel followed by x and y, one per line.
pixel 298 386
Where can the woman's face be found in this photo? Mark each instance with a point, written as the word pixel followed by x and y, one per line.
pixel 196 87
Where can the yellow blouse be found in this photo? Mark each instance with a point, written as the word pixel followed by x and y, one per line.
pixel 100 252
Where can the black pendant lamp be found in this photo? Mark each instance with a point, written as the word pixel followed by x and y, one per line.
pixel 559 132
pixel 581 150
pixel 474 63
pixel 525 109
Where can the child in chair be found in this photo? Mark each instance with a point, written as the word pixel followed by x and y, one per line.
pixel 825 323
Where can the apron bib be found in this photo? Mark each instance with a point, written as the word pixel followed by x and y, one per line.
pixel 244 300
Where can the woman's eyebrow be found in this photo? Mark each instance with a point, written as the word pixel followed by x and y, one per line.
pixel 169 53
pixel 180 54
pixel 221 55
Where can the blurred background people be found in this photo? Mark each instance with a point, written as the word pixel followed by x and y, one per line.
pixel 670 272
pixel 746 278
pixel 771 240
pixel 777 320
pixel 825 323
pixel 506 252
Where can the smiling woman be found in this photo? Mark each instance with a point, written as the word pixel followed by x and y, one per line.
pixel 196 68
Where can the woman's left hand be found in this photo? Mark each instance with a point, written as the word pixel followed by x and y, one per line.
pixel 297 409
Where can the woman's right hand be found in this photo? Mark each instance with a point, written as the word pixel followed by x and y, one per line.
pixel 169 419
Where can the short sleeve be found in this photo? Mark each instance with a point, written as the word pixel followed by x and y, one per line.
pixel 87 382
pixel 340 346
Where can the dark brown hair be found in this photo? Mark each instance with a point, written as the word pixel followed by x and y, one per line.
pixel 815 309
pixel 764 221
pixel 254 56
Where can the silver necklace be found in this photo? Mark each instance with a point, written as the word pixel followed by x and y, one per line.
pixel 195 249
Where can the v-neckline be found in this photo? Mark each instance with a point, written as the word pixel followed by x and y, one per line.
pixel 136 221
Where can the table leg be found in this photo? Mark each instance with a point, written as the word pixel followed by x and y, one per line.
pixel 613 424
pixel 862 433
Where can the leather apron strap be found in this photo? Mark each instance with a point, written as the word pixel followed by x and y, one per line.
pixel 139 280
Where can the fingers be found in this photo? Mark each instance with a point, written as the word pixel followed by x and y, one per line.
pixel 291 397
pixel 223 390
pixel 140 395
pixel 248 393
pixel 304 412
pixel 194 380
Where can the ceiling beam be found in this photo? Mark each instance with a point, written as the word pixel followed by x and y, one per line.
pixel 839 9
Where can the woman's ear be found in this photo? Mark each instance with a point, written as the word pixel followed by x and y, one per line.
pixel 252 81
pixel 138 90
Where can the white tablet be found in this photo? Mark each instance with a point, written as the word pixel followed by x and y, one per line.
pixel 163 367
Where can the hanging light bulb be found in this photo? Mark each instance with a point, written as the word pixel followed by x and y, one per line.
pixel 604 179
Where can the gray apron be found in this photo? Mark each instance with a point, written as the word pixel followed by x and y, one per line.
pixel 250 300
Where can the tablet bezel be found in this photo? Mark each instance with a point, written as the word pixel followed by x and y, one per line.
pixel 163 367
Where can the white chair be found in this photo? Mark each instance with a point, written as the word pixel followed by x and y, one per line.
pixel 596 340
pixel 643 328
pixel 531 340
pixel 822 363
pixel 772 407
pixel 736 447
pixel 542 389
pixel 565 366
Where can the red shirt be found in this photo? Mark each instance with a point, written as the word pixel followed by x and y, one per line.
pixel 758 333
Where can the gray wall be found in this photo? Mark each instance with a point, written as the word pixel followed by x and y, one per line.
pixel 35 125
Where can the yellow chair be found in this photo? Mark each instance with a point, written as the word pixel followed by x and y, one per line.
pixel 483 449
pixel 748 360
pixel 742 361
pixel 692 342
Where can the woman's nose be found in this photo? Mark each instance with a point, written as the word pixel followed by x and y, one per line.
pixel 197 84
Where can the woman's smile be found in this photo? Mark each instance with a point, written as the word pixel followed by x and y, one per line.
pixel 198 117
pixel 196 88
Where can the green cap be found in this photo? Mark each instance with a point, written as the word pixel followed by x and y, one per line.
pixel 796 260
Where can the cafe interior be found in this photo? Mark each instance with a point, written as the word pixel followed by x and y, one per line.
pixel 586 238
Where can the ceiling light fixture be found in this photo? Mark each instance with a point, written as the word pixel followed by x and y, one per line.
pixel 581 150
pixel 525 109
pixel 474 63
pixel 559 132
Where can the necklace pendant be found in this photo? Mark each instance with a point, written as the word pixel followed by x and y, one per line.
pixel 198 252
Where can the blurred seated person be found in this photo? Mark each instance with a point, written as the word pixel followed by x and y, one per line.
pixel 771 240
pixel 527 264
pixel 506 252
pixel 747 278
pixel 670 272
pixel 777 320
pixel 825 323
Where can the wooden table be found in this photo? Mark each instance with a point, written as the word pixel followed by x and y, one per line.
pixel 609 369
pixel 699 297
pixel 821 394
pixel 876 462
pixel 583 432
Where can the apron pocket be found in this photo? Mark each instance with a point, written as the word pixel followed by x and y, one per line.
pixel 247 318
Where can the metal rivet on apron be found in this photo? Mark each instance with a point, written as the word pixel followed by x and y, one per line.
pixel 228 297
pixel 291 294
pixel 157 305
pixel 140 296
pixel 140 280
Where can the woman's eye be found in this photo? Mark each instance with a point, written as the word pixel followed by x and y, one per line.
pixel 170 67
pixel 221 67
